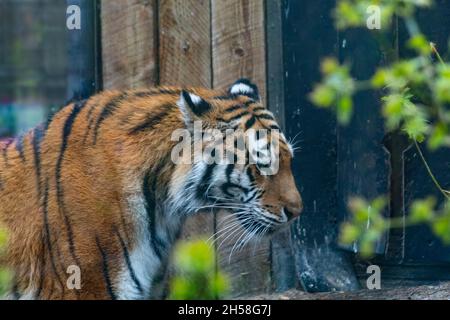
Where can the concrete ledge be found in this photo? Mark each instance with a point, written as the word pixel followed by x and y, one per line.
pixel 434 292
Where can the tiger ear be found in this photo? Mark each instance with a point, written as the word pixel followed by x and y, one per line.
pixel 192 107
pixel 244 87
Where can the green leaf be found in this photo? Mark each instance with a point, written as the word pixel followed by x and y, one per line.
pixel 366 248
pixel 359 208
pixel 416 128
pixel 196 275
pixel 346 15
pixel 344 109
pixel 422 211
pixel 323 96
pixel 349 234
pixel 220 285
pixel 441 227
pixel 195 257
pixel 181 289
pixel 5 281
pixel 379 204
pixel 329 65
pixel 420 44
pixel 438 136
pixel 442 89
pixel 393 110
pixel 443 70
pixel 379 80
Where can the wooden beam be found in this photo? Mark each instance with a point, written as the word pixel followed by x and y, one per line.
pixel 282 259
pixel 238 49
pixel 185 42
pixel 275 60
pixel 129 43
pixel 238 38
pixel 185 59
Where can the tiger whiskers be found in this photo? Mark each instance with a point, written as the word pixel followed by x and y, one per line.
pixel 238 228
pixel 219 207
pixel 293 140
pixel 238 242
pixel 228 225
pixel 220 233
pixel 248 236
pixel 244 224
pixel 294 143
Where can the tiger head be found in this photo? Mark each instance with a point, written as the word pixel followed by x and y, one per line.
pixel 237 159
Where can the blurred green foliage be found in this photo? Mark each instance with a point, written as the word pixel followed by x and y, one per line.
pixel 416 95
pixel 196 275
pixel 336 89
pixel 353 13
pixel 5 275
pixel 367 223
pixel 417 89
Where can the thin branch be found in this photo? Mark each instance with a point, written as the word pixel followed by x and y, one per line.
pixel 436 52
pixel 446 193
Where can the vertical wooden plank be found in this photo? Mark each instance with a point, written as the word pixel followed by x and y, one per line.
pixel 185 59
pixel 238 49
pixel 363 160
pixel 308 36
pixel 238 42
pixel 282 259
pixel 275 62
pixel 129 43
pixel 185 42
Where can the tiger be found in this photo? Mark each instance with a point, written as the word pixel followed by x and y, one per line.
pixel 95 187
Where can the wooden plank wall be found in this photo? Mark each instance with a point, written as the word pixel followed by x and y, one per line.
pixel 208 43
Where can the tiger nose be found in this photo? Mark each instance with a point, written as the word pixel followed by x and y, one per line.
pixel 293 210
